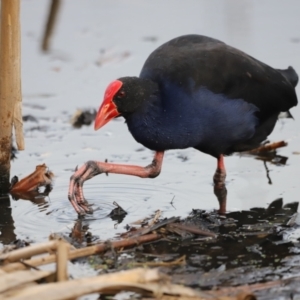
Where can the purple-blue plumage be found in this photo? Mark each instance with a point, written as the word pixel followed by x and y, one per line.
pixel 204 120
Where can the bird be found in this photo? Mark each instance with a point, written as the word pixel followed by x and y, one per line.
pixel 195 92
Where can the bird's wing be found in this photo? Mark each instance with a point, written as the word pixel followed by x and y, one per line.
pixel 191 62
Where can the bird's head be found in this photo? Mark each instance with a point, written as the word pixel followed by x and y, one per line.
pixel 123 97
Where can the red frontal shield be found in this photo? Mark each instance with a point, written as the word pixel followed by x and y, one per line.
pixel 108 109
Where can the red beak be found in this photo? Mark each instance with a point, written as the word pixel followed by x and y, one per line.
pixel 108 109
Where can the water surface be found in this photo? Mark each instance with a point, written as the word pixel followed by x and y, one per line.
pixel 96 42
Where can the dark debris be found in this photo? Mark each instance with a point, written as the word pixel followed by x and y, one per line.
pixel 83 117
pixel 13 153
pixel 244 247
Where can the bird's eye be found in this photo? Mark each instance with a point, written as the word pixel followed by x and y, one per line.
pixel 121 94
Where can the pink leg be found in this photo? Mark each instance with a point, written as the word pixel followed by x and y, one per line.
pixel 219 185
pixel 220 174
pixel 93 168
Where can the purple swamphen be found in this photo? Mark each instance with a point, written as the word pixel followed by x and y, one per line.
pixel 193 91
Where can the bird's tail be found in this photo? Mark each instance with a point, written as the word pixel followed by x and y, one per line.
pixel 291 75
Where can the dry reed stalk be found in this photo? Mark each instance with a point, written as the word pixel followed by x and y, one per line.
pixel 62 261
pixel 10 86
pixel 15 290
pixel 27 252
pixel 96 249
pixel 12 280
pixel 139 280
pixel 16 58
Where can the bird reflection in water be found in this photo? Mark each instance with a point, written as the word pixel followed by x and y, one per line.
pixel 80 233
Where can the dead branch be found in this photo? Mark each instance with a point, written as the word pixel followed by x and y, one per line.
pixel 27 252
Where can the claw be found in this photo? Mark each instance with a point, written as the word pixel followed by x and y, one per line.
pixel 93 168
pixel 90 211
pixel 81 214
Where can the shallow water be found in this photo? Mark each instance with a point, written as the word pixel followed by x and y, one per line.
pixel 96 42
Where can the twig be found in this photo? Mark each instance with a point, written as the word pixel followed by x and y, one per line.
pixel 268 147
pixel 267 173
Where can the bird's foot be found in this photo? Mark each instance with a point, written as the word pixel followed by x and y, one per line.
pixel 221 194
pixel 75 194
pixel 93 168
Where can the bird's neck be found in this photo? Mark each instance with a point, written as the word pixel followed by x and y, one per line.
pixel 156 123
pixel 145 123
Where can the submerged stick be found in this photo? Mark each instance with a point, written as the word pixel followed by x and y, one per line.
pixel 52 17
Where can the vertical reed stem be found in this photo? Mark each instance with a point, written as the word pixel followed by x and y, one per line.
pixel 10 86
